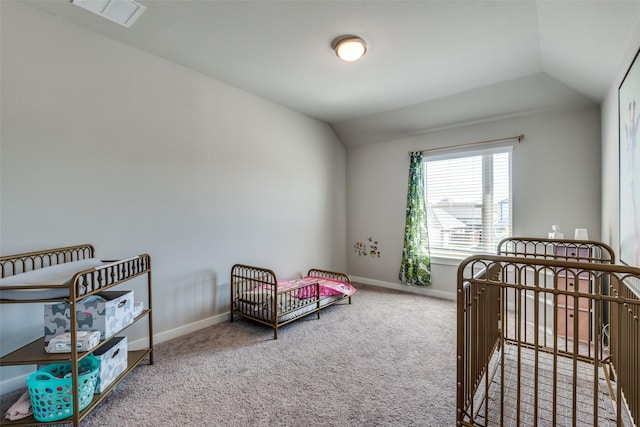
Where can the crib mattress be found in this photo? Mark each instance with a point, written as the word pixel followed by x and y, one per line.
pixel 266 315
pixel 45 283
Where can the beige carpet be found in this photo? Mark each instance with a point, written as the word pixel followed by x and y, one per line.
pixel 386 360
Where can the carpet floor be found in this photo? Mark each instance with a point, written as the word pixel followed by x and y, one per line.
pixel 388 359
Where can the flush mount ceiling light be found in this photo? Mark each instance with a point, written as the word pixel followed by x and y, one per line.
pixel 349 48
pixel 123 12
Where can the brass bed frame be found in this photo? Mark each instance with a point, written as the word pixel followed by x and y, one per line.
pixel 275 307
pixel 548 333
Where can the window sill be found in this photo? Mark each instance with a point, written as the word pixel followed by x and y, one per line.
pixel 448 258
pixel 452 257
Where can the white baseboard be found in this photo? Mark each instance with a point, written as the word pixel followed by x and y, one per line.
pixel 405 288
pixel 15 383
pixel 180 331
pixel 20 381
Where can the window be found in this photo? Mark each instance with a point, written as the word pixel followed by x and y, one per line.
pixel 468 200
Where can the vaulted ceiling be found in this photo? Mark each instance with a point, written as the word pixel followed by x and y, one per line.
pixel 429 63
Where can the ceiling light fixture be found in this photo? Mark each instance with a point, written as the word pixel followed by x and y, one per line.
pixel 123 12
pixel 349 48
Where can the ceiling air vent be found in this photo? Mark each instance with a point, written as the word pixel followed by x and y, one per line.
pixel 123 12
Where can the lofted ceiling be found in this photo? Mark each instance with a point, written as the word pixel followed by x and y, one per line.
pixel 429 63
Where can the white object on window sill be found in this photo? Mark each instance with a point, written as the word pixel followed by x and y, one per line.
pixel 555 233
pixel 581 234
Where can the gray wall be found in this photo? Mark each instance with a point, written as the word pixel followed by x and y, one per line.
pixel 106 144
pixel 556 180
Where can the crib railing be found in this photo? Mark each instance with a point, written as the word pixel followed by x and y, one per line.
pixel 12 265
pixel 478 333
pixel 524 306
pixel 557 249
pixel 624 329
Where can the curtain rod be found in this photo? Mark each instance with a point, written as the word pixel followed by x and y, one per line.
pixel 519 138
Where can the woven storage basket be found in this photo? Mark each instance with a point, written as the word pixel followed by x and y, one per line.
pixel 51 393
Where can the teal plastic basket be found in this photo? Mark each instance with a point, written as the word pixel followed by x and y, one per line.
pixel 50 388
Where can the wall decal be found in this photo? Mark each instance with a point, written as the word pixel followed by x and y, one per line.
pixel 370 248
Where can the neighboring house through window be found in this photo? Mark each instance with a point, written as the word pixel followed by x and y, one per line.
pixel 468 200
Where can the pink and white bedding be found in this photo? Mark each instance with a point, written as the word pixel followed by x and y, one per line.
pixel 328 287
pixel 291 293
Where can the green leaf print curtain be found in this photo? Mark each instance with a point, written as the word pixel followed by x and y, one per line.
pixel 416 261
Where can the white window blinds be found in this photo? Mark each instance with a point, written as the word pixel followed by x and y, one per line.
pixel 468 200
